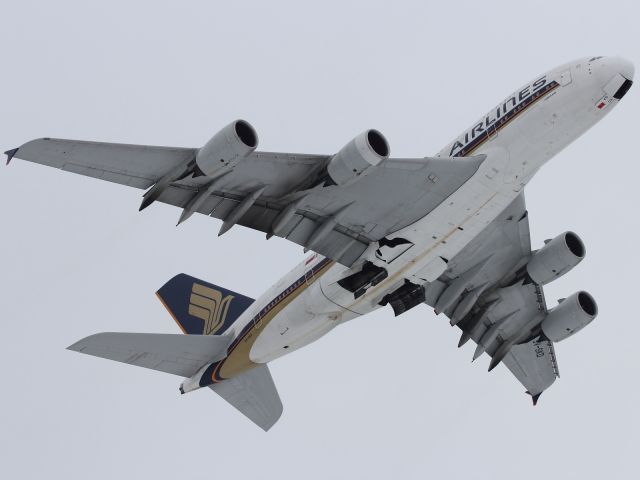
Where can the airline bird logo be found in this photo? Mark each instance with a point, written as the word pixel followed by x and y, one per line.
pixel 209 305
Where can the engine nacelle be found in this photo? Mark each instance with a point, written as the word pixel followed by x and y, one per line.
pixel 556 258
pixel 358 157
pixel 226 148
pixel 570 316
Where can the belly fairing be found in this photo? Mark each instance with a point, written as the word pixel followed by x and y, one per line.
pixel 305 319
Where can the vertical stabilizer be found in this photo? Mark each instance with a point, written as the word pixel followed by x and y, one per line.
pixel 199 307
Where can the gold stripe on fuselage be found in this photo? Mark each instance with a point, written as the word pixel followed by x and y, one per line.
pixel 238 360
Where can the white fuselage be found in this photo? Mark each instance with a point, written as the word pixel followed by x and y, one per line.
pixel 518 136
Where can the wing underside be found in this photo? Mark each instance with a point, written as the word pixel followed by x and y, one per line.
pixel 337 221
pixel 498 308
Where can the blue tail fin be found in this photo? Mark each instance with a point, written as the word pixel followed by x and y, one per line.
pixel 199 307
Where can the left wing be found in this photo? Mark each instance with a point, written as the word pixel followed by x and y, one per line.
pixel 283 194
pixel 499 308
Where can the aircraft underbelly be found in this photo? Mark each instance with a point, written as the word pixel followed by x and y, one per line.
pixel 514 155
pixel 304 320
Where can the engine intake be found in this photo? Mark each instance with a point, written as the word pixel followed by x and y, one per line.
pixel 358 157
pixel 570 316
pixel 226 148
pixel 556 258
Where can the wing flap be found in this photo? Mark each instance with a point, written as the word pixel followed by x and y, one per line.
pixel 341 244
pixel 171 353
pixel 398 193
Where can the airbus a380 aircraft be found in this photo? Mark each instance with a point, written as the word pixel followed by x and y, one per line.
pixel 450 231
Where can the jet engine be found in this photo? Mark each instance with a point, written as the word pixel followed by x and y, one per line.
pixel 226 148
pixel 358 157
pixel 556 258
pixel 570 316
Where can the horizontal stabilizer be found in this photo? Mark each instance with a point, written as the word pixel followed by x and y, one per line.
pixel 253 394
pixel 171 353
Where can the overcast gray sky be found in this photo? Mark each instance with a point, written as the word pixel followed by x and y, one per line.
pixel 366 401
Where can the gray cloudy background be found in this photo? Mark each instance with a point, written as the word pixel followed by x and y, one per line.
pixel 380 397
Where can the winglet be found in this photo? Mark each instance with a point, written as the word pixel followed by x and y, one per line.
pixel 534 397
pixel 10 154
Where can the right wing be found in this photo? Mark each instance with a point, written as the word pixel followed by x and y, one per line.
pixel 137 166
pixel 336 221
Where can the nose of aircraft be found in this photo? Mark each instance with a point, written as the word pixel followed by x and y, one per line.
pixel 620 65
pixel 614 75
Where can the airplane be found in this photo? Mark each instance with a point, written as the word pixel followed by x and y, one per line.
pixel 450 231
